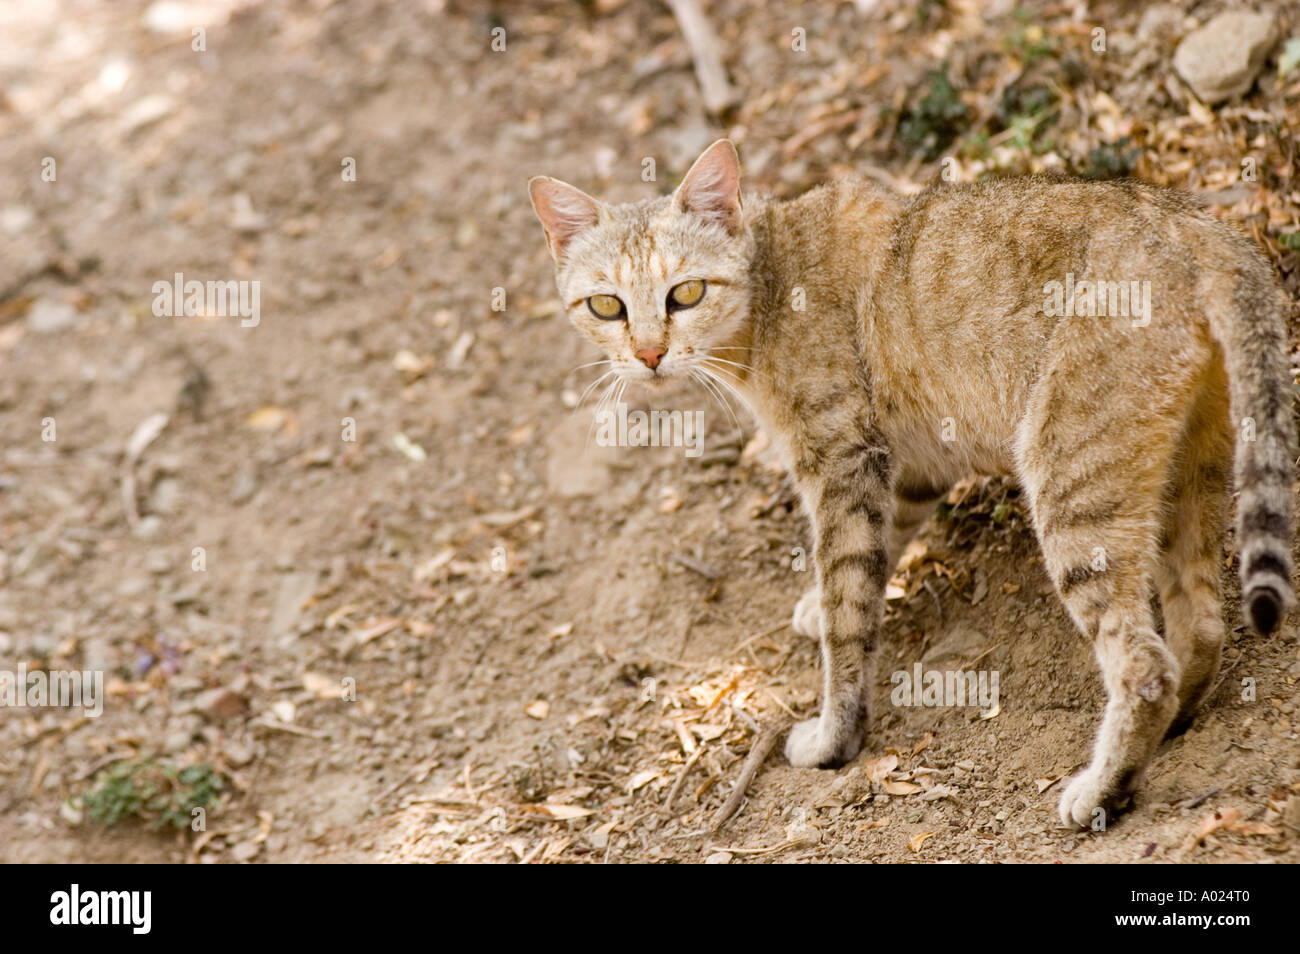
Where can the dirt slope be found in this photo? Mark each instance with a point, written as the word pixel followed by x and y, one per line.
pixel 546 639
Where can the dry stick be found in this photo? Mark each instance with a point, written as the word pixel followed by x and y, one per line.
pixel 758 754
pixel 741 645
pixel 704 44
pixel 686 770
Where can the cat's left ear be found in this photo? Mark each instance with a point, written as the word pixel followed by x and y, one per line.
pixel 712 186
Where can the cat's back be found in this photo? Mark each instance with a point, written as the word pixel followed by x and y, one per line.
pixel 1042 226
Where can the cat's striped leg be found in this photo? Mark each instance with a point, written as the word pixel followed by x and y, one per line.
pixel 913 504
pixel 1095 473
pixel 849 501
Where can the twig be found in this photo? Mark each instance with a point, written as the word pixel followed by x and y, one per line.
pixel 686 770
pixel 767 632
pixel 715 89
pixel 758 754
pixel 699 566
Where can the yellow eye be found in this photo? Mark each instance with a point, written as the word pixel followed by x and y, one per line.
pixel 686 294
pixel 605 306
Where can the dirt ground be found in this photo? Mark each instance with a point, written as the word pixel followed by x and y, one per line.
pixel 551 651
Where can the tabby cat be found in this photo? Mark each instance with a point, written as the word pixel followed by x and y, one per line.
pixel 1108 344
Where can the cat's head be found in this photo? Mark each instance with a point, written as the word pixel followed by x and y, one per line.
pixel 659 284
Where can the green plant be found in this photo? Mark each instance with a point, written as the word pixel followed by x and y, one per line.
pixel 1028 42
pixel 155 791
pixel 931 126
pixel 1111 160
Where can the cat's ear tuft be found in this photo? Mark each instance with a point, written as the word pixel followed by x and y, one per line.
pixel 712 186
pixel 564 211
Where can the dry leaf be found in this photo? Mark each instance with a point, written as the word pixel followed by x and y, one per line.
pixel 641 779
pixel 537 710
pixel 267 418
pixel 924 744
pixel 916 843
pixel 559 812
pixel 901 788
pixel 878 769
pixel 322 687
pixel 409 448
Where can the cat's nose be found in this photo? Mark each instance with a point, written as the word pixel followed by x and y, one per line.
pixel 650 357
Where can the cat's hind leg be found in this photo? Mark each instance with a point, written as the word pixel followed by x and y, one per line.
pixel 1095 469
pixel 1189 572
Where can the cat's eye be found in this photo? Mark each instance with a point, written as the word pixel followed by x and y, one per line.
pixel 606 306
pixel 686 295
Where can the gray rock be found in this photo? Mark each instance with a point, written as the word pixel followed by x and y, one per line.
pixel 50 317
pixel 1222 58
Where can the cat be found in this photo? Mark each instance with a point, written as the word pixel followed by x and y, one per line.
pixel 891 346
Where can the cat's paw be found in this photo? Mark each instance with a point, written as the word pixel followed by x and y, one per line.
pixel 810 746
pixel 807 618
pixel 1092 798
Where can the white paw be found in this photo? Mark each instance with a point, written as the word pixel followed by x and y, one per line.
pixel 1091 800
pixel 807 618
pixel 804 746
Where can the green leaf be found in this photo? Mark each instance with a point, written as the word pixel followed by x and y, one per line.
pixel 1290 56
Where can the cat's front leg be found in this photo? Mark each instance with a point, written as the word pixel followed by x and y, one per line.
pixel 849 501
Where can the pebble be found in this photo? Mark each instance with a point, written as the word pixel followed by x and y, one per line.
pixel 48 317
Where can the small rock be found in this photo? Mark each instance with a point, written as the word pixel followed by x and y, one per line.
pixel 220 703
pixel 48 317
pixel 243 217
pixel 295 590
pixel 718 858
pixel 145 112
pixel 1222 58
pixel 14 219
pixel 239 754
pixel 246 850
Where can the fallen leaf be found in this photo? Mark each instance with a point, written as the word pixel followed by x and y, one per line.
pixel 559 812
pixel 916 843
pixel 269 418
pixel 901 788
pixel 322 687
pixel 409 448
pixel 878 769
pixel 538 710
pixel 924 744
pixel 641 779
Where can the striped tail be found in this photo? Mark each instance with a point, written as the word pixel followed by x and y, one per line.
pixel 1252 333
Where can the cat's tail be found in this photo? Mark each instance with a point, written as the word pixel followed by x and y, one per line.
pixel 1251 329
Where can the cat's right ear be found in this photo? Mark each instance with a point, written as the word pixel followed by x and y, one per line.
pixel 564 211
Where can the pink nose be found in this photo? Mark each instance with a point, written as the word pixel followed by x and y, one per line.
pixel 650 357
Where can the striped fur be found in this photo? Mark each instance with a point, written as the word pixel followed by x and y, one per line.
pixel 891 347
